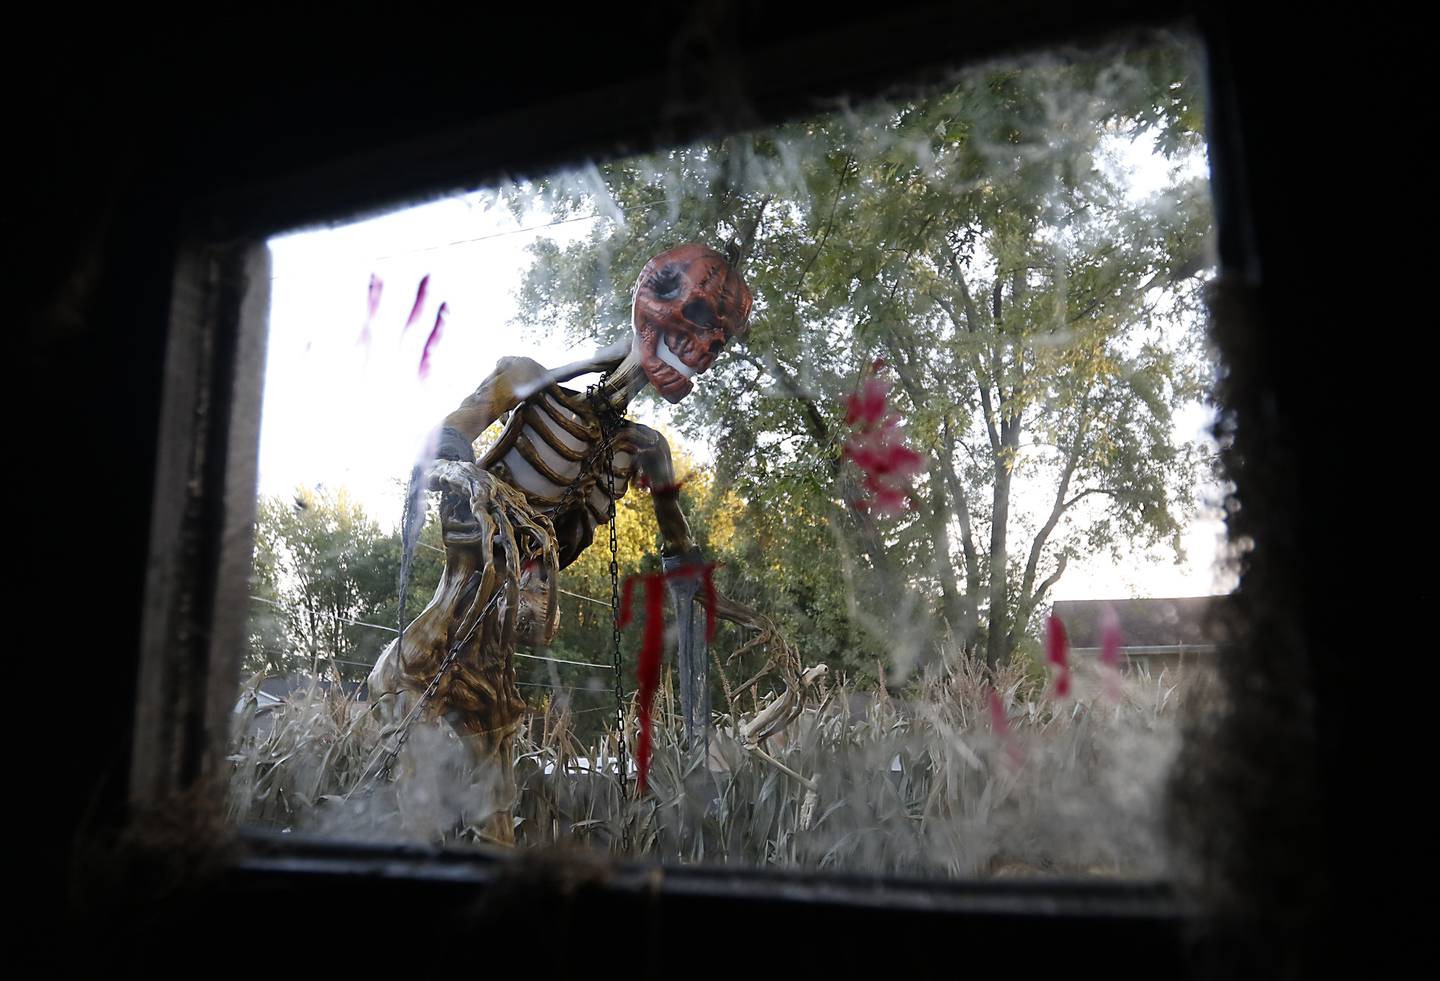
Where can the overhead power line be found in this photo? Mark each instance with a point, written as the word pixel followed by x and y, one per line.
pixel 370 664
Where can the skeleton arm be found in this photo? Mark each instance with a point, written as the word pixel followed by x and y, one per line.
pixel 512 381
pixel 655 463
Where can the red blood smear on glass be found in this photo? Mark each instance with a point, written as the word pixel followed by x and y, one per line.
pixel 433 340
pixel 706 572
pixel 376 287
pixel 627 593
pixel 710 603
pixel 889 501
pixel 998 721
pixel 419 303
pixel 372 303
pixel 888 469
pixel 877 446
pixel 652 647
pixel 1111 639
pixel 1057 648
pixel 867 407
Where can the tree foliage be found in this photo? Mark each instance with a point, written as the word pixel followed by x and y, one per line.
pixel 324 585
pixel 1040 323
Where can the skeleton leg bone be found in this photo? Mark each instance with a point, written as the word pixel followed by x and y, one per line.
pixel 496 590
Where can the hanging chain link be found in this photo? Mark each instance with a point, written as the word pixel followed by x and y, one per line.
pixel 587 465
pixel 609 427
pixel 608 420
pixel 622 761
pixel 392 754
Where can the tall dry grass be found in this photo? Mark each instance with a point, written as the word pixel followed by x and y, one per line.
pixel 914 782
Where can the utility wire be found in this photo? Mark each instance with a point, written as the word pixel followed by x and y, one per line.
pixel 370 664
pixel 518 231
pixel 600 602
pixel 484 238
pixel 591 599
pixel 561 660
pixel 332 616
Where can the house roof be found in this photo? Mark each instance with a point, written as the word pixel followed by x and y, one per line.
pixel 1177 621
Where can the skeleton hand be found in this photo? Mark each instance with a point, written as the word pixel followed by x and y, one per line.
pixel 479 511
pixel 461 478
pixel 767 634
pixel 782 710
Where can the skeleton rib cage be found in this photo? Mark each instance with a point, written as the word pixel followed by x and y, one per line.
pixel 548 444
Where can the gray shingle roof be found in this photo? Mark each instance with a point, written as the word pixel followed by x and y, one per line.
pixel 1143 622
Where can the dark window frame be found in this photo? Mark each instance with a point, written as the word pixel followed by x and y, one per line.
pixel 204 473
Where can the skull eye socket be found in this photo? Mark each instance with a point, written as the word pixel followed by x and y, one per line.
pixel 666 284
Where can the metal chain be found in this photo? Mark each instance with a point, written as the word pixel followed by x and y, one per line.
pixel 430 689
pixel 622 760
pixel 593 457
pixel 609 429
pixel 606 449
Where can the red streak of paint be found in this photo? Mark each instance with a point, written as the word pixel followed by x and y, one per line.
pixel 372 303
pixel 433 340
pixel 876 445
pixel 652 648
pixel 868 406
pixel 1057 650
pixel 1111 640
pixel 1000 725
pixel 419 304
pixel 998 722
pixel 376 287
pixel 652 644
pixel 706 572
pixel 709 603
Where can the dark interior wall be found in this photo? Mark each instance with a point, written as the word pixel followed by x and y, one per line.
pixel 132 130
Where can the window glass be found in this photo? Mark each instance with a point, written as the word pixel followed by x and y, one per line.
pixel 949 487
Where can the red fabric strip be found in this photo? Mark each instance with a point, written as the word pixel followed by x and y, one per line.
pixel 652 647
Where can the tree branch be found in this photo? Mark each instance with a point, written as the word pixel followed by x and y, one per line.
pixel 825 233
pixel 1045 586
pixel 962 512
pixel 1091 490
pixel 745 237
pixel 971 326
pixel 815 422
pixel 1072 460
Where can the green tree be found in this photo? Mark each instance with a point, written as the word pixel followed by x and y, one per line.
pixel 1041 326
pixel 323 586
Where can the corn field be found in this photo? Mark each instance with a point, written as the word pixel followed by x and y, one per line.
pixel 956 775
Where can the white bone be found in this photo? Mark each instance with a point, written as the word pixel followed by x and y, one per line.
pixel 673 360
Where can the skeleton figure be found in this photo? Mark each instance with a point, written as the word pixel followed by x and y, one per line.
pixel 531 504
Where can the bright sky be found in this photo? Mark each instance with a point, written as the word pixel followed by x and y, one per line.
pixel 343 412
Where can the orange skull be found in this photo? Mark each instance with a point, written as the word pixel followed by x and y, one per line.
pixel 689 304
